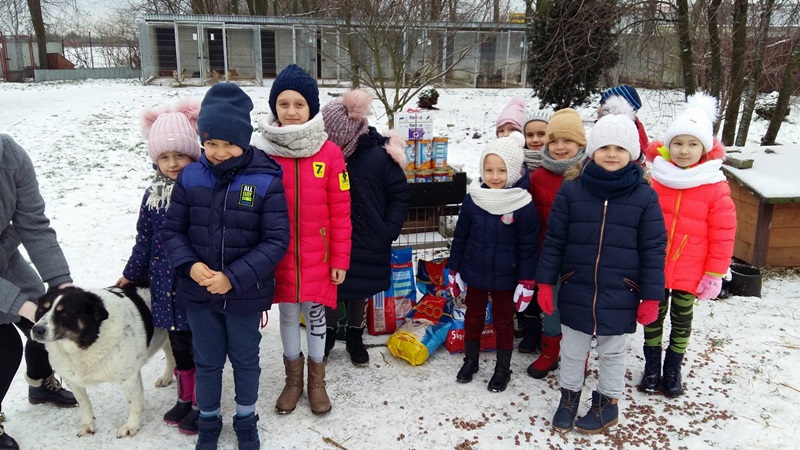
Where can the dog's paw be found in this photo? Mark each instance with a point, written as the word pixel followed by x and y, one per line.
pixel 164 380
pixel 127 430
pixel 86 429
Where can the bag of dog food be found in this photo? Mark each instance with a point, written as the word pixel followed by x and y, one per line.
pixel 417 340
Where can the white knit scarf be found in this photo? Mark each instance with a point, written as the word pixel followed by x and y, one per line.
pixel 498 201
pixel 675 177
pixel 290 141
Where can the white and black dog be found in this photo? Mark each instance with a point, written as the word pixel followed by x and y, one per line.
pixel 102 335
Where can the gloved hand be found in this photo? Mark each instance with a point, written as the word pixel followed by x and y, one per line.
pixel 523 294
pixel 709 287
pixel 546 298
pixel 455 284
pixel 647 312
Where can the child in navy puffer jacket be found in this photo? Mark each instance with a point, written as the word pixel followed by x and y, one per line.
pixel 225 232
pixel 605 243
pixel 494 251
pixel 172 144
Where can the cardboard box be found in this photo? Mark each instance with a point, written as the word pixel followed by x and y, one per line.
pixel 414 126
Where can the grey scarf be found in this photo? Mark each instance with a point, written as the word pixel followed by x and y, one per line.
pixel 533 159
pixel 561 166
pixel 290 141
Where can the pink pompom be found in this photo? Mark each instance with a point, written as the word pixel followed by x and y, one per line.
pixel 190 108
pixel 356 102
pixel 149 117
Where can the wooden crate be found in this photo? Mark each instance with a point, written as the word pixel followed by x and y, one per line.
pixel 767 230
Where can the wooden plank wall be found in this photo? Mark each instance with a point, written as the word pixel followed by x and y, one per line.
pixel 784 239
pixel 747 208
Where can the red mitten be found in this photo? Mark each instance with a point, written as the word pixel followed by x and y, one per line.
pixel 546 298
pixel 647 312
pixel 523 294
pixel 709 287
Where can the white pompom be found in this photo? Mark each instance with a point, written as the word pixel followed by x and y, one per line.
pixel 616 105
pixel 704 102
pixel 518 138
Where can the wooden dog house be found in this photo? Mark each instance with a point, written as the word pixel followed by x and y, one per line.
pixel 767 198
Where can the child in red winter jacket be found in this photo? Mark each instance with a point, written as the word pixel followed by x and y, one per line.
pixel 318 194
pixel 565 142
pixel 701 224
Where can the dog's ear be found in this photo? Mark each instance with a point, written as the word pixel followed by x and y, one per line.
pixel 95 307
pixel 44 302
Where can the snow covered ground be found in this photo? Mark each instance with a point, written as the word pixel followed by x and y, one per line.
pixel 741 370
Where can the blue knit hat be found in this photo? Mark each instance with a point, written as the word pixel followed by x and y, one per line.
pixel 294 78
pixel 225 115
pixel 627 92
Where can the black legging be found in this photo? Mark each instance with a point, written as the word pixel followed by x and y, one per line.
pixel 181 343
pixel 10 357
pixel 356 314
pixel 38 365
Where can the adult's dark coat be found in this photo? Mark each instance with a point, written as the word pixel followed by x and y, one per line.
pixel 379 197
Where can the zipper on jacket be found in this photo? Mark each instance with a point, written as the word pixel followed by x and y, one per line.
pixel 597 265
pixel 674 220
pixel 324 240
pixel 222 249
pixel 680 247
pixel 297 229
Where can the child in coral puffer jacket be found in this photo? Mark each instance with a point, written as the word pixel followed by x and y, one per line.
pixel 701 225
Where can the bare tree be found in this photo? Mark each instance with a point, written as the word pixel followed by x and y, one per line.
pixel 257 7
pixel 738 49
pixel 754 79
pixel 685 39
pixel 14 17
pixel 715 77
pixel 37 19
pixel 120 38
pixel 389 47
pixel 787 85
pixel 156 7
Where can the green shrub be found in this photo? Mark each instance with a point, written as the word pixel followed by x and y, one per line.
pixel 428 98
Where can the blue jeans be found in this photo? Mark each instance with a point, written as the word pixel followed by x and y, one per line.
pixel 218 334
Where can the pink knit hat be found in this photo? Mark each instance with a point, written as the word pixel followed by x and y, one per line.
pixel 169 129
pixel 514 114
pixel 346 119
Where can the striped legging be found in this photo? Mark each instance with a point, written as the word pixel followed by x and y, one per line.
pixel 681 306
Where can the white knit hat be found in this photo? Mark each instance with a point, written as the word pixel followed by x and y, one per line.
pixel 509 149
pixel 617 127
pixel 697 119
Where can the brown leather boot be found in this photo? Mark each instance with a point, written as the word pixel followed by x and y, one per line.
pixel 317 396
pixel 287 401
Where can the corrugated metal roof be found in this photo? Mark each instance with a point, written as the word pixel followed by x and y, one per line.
pixel 306 21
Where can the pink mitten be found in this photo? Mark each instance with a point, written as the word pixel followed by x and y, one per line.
pixel 709 287
pixel 546 298
pixel 647 312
